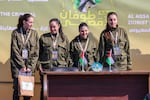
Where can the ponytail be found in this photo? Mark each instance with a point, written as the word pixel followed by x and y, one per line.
pixel 22 18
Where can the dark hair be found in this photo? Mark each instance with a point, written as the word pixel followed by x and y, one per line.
pixel 60 28
pixel 82 24
pixel 110 13
pixel 22 18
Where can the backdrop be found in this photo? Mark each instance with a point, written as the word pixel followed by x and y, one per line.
pixel 134 16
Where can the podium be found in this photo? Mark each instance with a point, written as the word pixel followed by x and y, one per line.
pixel 124 85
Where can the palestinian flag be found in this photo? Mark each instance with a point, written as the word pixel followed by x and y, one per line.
pixel 82 60
pixel 84 5
pixel 109 59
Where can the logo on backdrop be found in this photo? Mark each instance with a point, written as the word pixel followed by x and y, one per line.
pixel 84 5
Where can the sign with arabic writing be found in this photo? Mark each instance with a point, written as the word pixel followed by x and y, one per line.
pixel 134 16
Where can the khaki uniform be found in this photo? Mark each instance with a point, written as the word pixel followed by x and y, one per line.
pixel 90 54
pixel 122 61
pixel 46 49
pixel 32 47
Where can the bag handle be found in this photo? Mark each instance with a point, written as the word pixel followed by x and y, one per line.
pixel 25 73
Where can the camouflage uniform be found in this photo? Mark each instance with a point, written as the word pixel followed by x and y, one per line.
pixel 46 48
pixel 122 61
pixel 90 54
pixel 16 58
pixel 16 51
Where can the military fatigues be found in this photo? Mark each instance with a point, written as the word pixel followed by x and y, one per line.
pixel 121 61
pixel 16 59
pixel 46 50
pixel 90 53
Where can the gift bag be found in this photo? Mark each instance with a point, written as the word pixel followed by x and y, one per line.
pixel 25 85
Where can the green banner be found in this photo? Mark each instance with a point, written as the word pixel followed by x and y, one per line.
pixel 134 16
